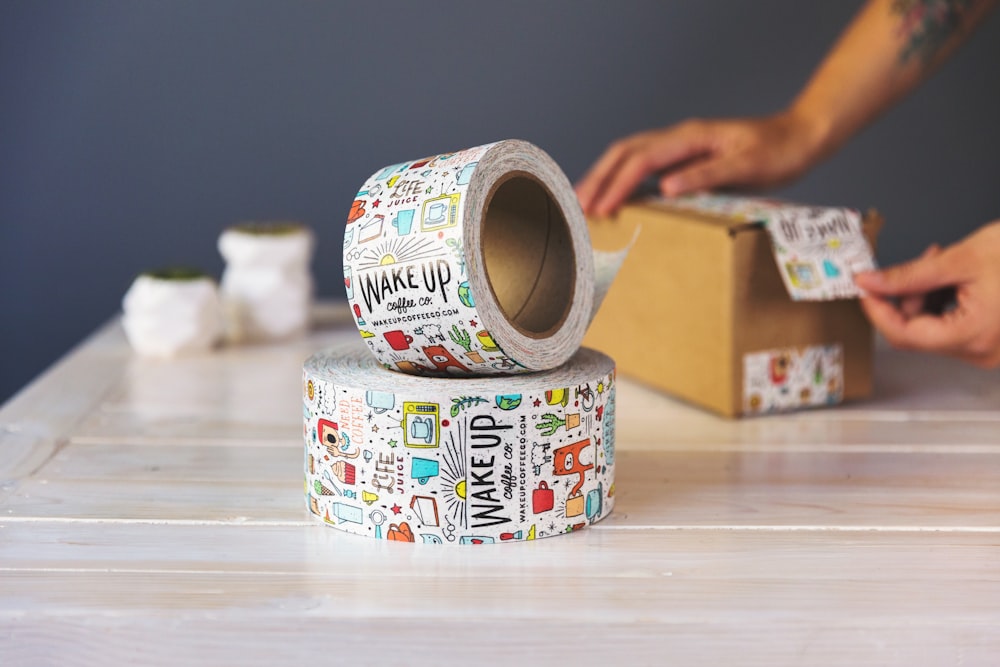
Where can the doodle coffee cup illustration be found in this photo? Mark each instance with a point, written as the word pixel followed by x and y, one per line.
pixel 595 502
pixel 398 340
pixel 403 222
pixel 423 469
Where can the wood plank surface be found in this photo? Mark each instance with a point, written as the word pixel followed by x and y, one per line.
pixel 151 512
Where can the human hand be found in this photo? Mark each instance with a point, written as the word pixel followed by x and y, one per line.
pixel 970 330
pixel 702 154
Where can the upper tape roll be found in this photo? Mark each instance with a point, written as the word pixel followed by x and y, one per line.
pixel 471 263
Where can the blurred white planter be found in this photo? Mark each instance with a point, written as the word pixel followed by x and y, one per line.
pixel 267 289
pixel 172 312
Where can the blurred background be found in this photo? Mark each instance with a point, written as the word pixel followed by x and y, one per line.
pixel 132 133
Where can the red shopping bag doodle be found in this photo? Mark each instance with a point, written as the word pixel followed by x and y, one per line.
pixel 542 499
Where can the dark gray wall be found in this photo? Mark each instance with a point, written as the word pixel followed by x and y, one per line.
pixel 131 133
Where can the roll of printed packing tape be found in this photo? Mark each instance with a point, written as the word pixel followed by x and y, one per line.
pixel 472 263
pixel 458 461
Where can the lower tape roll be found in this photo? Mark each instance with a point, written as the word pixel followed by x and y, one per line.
pixel 459 461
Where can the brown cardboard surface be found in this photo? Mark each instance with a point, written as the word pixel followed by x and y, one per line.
pixel 666 319
pixel 699 291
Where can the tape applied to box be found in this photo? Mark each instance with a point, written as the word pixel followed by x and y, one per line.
pixel 472 263
pixel 458 461
pixel 817 249
pixel 792 378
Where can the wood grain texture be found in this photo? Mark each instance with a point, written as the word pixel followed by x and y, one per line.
pixel 152 513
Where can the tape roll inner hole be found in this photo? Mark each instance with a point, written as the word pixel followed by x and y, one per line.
pixel 528 255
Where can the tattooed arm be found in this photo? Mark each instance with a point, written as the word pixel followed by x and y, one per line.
pixel 889 48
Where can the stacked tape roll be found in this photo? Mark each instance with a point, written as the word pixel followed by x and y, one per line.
pixel 458 460
pixel 476 262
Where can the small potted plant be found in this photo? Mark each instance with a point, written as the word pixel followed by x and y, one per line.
pixel 172 311
pixel 267 289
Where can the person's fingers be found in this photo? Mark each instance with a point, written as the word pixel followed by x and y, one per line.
pixel 911 306
pixel 627 176
pixel 924 274
pixel 593 182
pixel 948 333
pixel 623 167
pixel 703 175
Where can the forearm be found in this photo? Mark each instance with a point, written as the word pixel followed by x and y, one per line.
pixel 887 50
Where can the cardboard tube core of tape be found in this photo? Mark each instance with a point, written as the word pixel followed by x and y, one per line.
pixel 528 255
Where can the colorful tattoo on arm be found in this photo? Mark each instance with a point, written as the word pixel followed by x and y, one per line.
pixel 926 25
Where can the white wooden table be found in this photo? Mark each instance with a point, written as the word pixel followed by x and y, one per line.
pixel 152 512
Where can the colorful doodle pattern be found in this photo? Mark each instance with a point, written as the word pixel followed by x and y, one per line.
pixel 791 378
pixel 405 273
pixel 459 469
pixel 817 249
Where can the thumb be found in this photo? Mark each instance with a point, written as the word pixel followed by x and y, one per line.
pixel 933 270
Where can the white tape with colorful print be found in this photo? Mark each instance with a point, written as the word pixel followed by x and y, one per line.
pixel 793 378
pixel 458 461
pixel 818 249
pixel 472 263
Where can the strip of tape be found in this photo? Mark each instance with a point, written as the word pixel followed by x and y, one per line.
pixel 458 461
pixel 792 378
pixel 472 263
pixel 817 249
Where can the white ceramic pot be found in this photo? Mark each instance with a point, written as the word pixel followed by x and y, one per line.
pixel 267 289
pixel 172 312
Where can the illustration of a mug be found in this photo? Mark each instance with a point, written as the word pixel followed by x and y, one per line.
pixel 557 397
pixel 802 274
pixel 487 341
pixel 595 501
pixel 388 171
pixel 349 281
pixel 435 212
pixel 542 498
pixel 346 512
pixel 463 176
pixel 423 469
pixel 440 212
pixel 398 340
pixel 420 424
pixel 380 401
pixel 403 222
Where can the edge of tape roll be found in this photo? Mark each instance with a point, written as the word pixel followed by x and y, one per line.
pixel 458 461
pixel 476 262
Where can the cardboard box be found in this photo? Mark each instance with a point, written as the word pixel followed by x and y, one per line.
pixel 700 294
